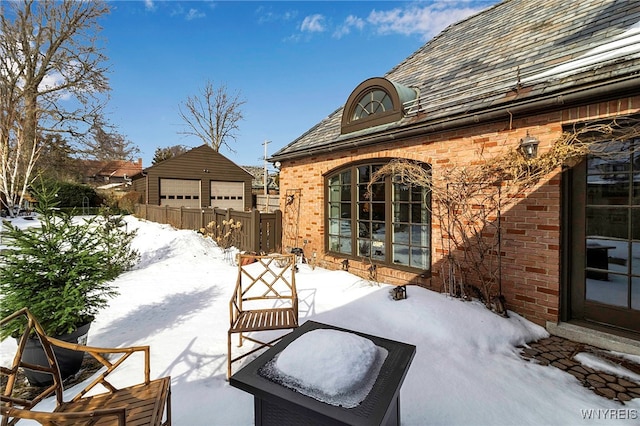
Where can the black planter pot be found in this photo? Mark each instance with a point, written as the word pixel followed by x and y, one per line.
pixel 69 362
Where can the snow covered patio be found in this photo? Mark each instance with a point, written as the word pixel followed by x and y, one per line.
pixel 468 368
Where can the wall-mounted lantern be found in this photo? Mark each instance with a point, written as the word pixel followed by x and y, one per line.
pixel 529 146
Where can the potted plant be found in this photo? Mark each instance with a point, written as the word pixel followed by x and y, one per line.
pixel 63 271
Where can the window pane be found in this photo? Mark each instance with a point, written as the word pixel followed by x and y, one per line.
pixel 377 211
pixel 607 222
pixel 358 113
pixel 604 191
pixel 334 210
pixel 612 291
pixel 615 158
pixel 334 244
pixel 378 95
pixel 334 227
pixel 420 235
pixel 364 248
pixel 345 228
pixel 364 229
pixel 419 258
pixel 378 231
pixel 345 245
pixel 378 250
pixel 400 192
pixel 334 193
pixel 400 233
pixel 418 213
pixel 363 195
pixel 417 194
pixel 345 193
pixel 387 103
pixel 377 192
pixel 345 210
pixel 364 211
pixel 345 177
pixel 401 212
pixel 334 180
pixel 401 254
pixel 364 174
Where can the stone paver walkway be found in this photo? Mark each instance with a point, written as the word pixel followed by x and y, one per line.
pixel 560 353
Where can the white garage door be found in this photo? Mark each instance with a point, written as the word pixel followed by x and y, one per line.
pixel 227 195
pixel 179 193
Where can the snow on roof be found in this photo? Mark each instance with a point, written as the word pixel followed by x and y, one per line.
pixel 626 45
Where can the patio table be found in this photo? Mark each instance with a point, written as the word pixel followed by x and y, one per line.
pixel 276 404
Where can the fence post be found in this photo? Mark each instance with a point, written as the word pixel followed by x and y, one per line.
pixel 256 236
pixel 277 231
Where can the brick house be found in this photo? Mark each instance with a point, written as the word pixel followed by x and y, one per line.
pixel 481 86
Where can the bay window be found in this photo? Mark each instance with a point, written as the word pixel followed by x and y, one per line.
pixel 388 223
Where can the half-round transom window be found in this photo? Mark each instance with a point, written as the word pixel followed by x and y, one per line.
pixel 374 102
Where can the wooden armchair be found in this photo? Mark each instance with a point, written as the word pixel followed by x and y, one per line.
pixel 142 404
pixel 264 299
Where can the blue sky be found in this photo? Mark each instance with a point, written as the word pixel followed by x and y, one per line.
pixel 294 62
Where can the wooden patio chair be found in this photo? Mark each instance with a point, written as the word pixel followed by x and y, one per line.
pixel 145 403
pixel 264 299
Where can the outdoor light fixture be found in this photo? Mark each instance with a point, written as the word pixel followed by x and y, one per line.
pixel 529 146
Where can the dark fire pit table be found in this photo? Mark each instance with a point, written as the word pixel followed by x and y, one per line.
pixel 275 404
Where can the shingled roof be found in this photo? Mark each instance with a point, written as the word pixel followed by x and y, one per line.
pixel 519 56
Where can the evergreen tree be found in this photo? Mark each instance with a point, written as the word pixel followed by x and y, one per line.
pixel 63 269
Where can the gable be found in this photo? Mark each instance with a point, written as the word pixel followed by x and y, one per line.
pixel 202 159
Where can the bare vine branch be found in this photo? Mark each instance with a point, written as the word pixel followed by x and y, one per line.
pixel 467 200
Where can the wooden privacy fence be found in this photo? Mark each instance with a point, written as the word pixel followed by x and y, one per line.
pixel 260 232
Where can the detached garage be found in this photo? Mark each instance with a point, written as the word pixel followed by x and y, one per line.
pixel 198 178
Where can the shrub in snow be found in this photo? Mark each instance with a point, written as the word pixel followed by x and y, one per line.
pixel 62 270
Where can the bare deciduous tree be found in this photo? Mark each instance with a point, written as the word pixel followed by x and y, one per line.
pixel 103 143
pixel 52 81
pixel 213 116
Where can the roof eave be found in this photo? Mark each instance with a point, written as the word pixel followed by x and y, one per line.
pixel 504 107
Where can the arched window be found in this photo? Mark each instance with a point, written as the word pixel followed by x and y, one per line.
pixel 391 225
pixel 374 102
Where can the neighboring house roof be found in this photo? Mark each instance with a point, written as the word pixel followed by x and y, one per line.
pixel 112 168
pixel 517 56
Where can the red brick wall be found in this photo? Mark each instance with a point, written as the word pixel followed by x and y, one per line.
pixel 530 229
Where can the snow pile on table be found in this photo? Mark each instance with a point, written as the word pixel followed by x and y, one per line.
pixel 335 367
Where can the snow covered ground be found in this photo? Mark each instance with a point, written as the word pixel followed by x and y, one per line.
pixel 467 369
